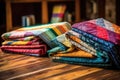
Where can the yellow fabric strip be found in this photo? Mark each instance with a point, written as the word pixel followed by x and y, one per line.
pixel 79 53
pixel 15 43
pixel 57 31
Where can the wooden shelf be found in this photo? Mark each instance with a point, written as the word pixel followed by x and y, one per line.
pixel 44 10
pixel 60 0
pixel 24 1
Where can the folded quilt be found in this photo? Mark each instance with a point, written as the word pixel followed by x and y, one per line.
pixel 99 31
pixel 22 46
pixel 16 42
pixel 26 52
pixel 29 38
pixel 106 24
pixel 25 39
pixel 95 62
pixel 76 53
pixel 45 32
pixel 39 51
pixel 102 45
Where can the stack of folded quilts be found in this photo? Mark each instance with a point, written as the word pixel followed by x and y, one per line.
pixel 33 40
pixel 94 43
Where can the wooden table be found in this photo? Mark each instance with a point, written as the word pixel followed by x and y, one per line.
pixel 22 67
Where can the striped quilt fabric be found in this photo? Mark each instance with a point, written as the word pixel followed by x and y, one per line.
pixel 45 32
pixel 57 28
pixel 91 37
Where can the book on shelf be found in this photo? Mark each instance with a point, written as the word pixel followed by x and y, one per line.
pixel 91 9
pixel 68 16
pixel 58 13
pixel 28 20
pixel 110 10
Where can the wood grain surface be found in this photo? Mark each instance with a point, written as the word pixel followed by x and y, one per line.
pixel 22 67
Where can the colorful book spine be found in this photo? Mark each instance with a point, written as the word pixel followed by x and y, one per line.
pixel 58 13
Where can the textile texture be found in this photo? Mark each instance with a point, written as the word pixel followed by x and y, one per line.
pixel 33 40
pixel 99 38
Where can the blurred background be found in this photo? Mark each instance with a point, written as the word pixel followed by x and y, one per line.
pixel 11 11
